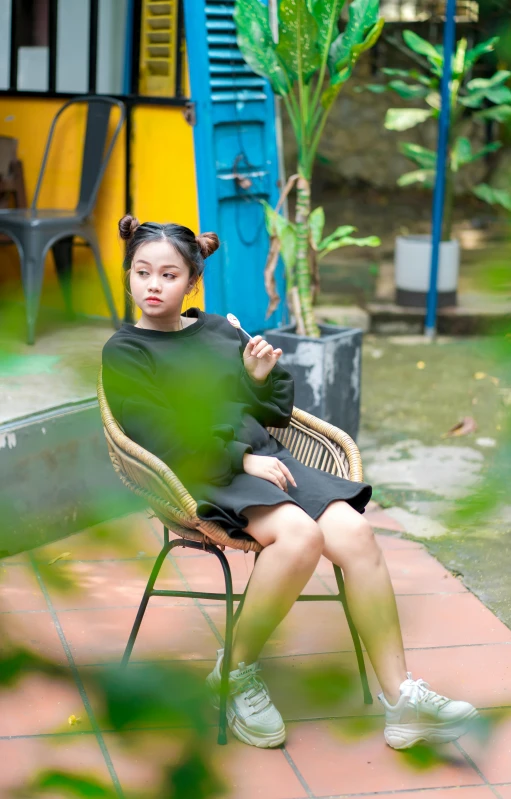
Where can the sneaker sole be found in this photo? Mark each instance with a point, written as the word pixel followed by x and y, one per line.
pixel 243 733
pixel 404 736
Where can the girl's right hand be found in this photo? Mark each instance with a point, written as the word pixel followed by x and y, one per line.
pixel 269 468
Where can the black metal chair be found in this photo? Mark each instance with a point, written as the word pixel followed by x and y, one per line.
pixel 35 230
pixel 310 440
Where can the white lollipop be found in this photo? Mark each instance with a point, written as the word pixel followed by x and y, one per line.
pixel 235 322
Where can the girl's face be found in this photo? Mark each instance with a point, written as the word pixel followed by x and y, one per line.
pixel 159 280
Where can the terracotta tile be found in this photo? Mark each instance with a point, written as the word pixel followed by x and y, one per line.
pixel 491 750
pixel 111 584
pixel 22 758
pixel 504 791
pixel 204 573
pixel 39 704
pixel 249 773
pixel 381 520
pixel 33 631
pixel 395 542
pixel 177 631
pixel 126 537
pixel 308 629
pixel 319 686
pixel 19 589
pixel 352 757
pixel 467 792
pixel 416 572
pixel 449 620
pixel 461 672
pixel 254 773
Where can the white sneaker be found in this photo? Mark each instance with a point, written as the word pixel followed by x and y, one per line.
pixel 422 715
pixel 251 715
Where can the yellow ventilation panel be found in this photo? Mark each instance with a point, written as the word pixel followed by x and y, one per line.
pixel 158 48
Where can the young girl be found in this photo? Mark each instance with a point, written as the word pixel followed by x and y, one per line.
pixel 199 394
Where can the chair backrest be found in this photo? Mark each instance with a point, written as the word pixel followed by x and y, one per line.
pixel 96 152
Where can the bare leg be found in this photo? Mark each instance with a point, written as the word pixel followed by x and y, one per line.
pixel 350 543
pixel 292 544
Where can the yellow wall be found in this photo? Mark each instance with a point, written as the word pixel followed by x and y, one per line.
pixel 163 189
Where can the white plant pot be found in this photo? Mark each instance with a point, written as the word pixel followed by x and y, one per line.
pixel 412 269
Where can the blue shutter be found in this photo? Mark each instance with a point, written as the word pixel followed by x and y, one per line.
pixel 234 135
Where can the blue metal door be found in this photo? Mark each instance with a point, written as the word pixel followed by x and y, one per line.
pixel 236 162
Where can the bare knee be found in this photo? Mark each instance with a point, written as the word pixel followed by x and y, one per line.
pixel 360 542
pixel 300 534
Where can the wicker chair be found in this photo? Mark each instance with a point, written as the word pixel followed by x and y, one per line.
pixel 311 441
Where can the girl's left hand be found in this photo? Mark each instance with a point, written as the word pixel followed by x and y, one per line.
pixel 259 358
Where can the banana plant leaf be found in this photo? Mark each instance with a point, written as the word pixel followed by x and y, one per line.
pixel 298 40
pixel 363 16
pixel 425 177
pixel 406 118
pixel 499 113
pixel 423 157
pixel 493 196
pixel 408 91
pixel 316 225
pixel 256 43
pixel 326 13
pixel 423 47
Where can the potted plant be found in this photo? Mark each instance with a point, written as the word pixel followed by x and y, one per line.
pixel 473 100
pixel 307 65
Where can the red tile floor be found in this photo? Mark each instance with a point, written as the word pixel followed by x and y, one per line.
pixel 335 745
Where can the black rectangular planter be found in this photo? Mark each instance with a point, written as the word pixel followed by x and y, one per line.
pixel 326 372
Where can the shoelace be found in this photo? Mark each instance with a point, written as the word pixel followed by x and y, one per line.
pixel 254 690
pixel 422 692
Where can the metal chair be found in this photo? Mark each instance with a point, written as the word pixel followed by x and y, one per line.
pixel 34 230
pixel 311 441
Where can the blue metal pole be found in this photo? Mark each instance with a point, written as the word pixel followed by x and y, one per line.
pixel 441 163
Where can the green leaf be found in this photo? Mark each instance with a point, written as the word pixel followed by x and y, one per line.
pixel 270 218
pixel 298 40
pixel 497 95
pixel 423 47
pixel 363 16
pixel 371 37
pixel 486 150
pixel 406 118
pixel 412 74
pixel 339 233
pixel 288 250
pixel 337 81
pixel 375 88
pixel 459 59
pixel 480 49
pixel 461 153
pixel 500 113
pixel 348 241
pixel 316 225
pixel 326 13
pixel 407 91
pixel 493 196
pixel 256 43
pixel 421 155
pixel 501 76
pixel 425 177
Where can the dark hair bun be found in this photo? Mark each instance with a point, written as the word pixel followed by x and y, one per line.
pixel 127 226
pixel 208 243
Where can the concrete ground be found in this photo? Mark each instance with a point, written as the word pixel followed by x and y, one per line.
pixel 335 747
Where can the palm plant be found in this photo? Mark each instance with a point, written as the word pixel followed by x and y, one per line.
pixel 480 99
pixel 307 66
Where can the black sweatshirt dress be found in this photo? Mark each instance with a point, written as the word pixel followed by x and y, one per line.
pixel 186 397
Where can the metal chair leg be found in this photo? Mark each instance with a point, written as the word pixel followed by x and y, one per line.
pixel 145 599
pixel 226 664
pixel 368 699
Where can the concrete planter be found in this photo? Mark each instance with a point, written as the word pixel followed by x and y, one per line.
pixel 326 372
pixel 413 264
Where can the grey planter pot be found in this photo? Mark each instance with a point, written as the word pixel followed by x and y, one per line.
pixel 326 372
